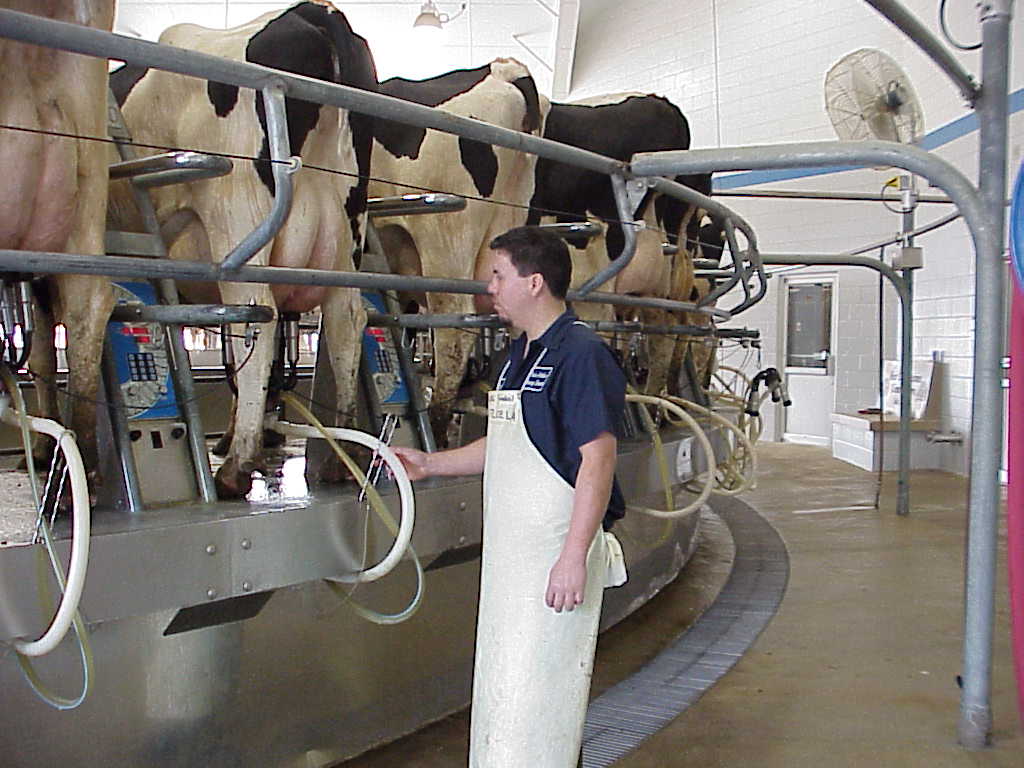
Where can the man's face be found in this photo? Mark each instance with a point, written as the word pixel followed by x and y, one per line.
pixel 513 295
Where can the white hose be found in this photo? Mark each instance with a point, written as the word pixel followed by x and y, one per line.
pixel 79 532
pixel 701 438
pixel 745 468
pixel 404 535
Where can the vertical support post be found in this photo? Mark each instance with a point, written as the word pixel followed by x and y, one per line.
pixel 975 724
pixel 906 351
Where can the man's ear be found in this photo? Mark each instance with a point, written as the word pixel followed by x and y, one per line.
pixel 536 283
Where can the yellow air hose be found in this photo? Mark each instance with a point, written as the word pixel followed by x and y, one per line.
pixel 701 438
pixel 69 603
pixel 402 533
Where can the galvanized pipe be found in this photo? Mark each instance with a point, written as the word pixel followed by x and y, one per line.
pixel 827 154
pixel 975 723
pixel 282 169
pixel 790 194
pixel 381 320
pixel 586 229
pixel 628 232
pixel 906 346
pixel 413 205
pixel 930 45
pixel 171 168
pixel 51 263
pixel 191 314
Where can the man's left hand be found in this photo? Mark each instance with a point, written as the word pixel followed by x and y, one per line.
pixel 566 584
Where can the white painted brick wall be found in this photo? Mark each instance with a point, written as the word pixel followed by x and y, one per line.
pixel 769 58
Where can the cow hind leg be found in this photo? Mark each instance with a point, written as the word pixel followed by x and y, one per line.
pixel 234 477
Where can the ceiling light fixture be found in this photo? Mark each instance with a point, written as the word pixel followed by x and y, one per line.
pixel 432 19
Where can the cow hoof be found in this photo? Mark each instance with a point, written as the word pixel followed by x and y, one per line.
pixel 222 446
pixel 333 472
pixel 273 439
pixel 232 483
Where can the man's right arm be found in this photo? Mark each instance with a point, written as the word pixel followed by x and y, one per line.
pixel 466 460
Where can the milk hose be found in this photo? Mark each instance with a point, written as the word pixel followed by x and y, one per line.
pixel 740 468
pixel 699 435
pixel 402 533
pixel 67 614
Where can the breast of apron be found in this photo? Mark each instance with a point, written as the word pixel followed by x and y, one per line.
pixel 533 666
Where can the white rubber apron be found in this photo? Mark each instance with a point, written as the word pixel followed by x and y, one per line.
pixel 533 666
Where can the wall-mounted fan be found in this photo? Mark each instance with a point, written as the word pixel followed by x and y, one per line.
pixel 868 96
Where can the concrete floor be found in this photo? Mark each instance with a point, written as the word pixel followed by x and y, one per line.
pixel 859 666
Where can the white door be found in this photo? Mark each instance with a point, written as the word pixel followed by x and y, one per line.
pixel 809 331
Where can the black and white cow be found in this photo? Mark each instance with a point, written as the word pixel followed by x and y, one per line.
pixel 210 217
pixel 455 244
pixel 620 126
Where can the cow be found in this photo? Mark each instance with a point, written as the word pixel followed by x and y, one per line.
pixel 55 198
pixel 620 126
pixel 456 244
pixel 210 217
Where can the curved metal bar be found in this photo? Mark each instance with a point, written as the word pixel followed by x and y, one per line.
pixel 277 138
pixel 628 232
pixel 930 45
pixel 731 221
pixel 827 154
pixel 739 274
pixel 171 168
pixel 412 205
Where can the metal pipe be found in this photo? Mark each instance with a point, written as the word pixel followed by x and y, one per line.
pixel 417 403
pixel 907 319
pixel 827 154
pixel 52 263
pixel 120 430
pixel 192 314
pixel 930 45
pixel 282 169
pixel 412 205
pixel 731 222
pixel 586 229
pixel 788 194
pixel 626 215
pixel 382 320
pixel 908 193
pixel 975 723
pixel 171 168
pixel 922 230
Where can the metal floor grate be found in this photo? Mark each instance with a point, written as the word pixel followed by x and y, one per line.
pixel 627 714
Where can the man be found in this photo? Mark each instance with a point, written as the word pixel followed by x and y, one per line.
pixel 548 462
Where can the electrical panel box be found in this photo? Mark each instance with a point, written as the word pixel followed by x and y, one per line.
pixel 381 360
pixel 156 431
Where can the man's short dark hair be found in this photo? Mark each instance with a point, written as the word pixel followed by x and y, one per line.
pixel 535 250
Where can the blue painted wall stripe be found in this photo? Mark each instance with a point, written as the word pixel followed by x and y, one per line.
pixel 940 136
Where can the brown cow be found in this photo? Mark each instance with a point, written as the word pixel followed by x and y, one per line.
pixel 55 195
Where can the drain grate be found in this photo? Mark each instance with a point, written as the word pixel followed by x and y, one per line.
pixel 624 716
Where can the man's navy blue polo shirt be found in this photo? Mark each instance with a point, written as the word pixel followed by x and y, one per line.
pixel 573 390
